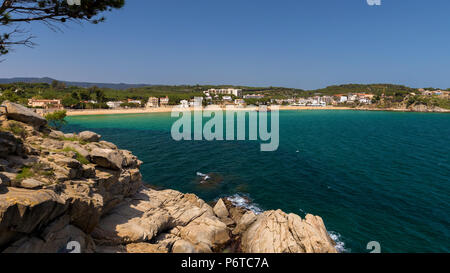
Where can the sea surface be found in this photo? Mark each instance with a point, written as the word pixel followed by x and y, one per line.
pixel 372 176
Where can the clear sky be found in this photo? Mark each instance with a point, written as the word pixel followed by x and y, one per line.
pixel 293 43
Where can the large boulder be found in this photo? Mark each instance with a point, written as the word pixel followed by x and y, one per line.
pixel 89 136
pixel 278 232
pixel 220 209
pixel 24 211
pixel 23 114
pixel 58 237
pixel 31 184
pixel 107 158
pixel 149 213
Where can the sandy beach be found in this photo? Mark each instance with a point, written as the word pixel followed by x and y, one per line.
pixel 169 109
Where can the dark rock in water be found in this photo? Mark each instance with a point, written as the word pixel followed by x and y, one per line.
pixel 23 114
pixel 210 180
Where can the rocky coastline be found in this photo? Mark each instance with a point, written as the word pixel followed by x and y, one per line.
pixel 57 189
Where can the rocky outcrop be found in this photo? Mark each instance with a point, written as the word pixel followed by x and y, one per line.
pixel 23 114
pixel 89 136
pixel 278 232
pixel 59 192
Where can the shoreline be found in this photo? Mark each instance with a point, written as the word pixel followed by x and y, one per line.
pixel 94 112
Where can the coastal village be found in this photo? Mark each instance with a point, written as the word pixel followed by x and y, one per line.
pixel 49 97
pixel 231 96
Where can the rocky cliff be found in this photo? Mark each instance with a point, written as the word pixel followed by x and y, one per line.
pixel 58 188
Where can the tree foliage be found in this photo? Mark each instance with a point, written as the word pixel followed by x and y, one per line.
pixel 57 119
pixel 14 13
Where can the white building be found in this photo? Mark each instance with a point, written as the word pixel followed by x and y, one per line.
pixel 343 99
pixel 227 91
pixel 114 104
pixel 184 104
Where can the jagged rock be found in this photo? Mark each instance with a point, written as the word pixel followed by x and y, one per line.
pixel 130 160
pixel 145 248
pixel 67 162
pixel 8 177
pixel 278 232
pixel 206 233
pixel 88 171
pixel 23 114
pixel 56 134
pixel 108 145
pixel 71 145
pixel 85 204
pixel 89 136
pixel 20 162
pixel 23 210
pixel 52 144
pixel 150 212
pixel 31 184
pixel 9 144
pixel 244 222
pixel 107 158
pixel 57 242
pixel 4 164
pixel 70 136
pixel 220 209
pixel 182 246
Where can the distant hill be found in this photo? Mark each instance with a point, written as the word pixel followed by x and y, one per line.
pixel 117 86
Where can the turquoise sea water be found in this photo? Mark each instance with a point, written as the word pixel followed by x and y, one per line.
pixel 372 176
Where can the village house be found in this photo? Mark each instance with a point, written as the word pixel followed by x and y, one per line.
pixel 45 104
pixel 134 101
pixel 239 102
pixel 153 102
pixel 254 96
pixel 164 101
pixel 184 103
pixel 114 104
pixel 227 98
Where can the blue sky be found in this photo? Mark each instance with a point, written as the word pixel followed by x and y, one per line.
pixel 299 43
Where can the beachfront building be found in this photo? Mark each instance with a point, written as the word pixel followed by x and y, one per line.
pixel 254 96
pixel 184 104
pixel 164 101
pixel 225 91
pixel 152 102
pixel 134 101
pixel 239 102
pixel 45 104
pixel 114 104
pixel 227 98
pixel 343 99
pixel 196 102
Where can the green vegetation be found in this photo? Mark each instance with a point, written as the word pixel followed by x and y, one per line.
pixel 430 101
pixel 386 95
pixel 25 173
pixel 56 120
pixel 17 129
pixel 38 169
pixel 79 157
